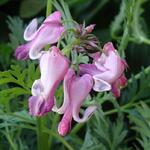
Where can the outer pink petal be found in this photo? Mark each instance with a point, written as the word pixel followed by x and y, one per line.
pixel 88 69
pixel 51 75
pixel 54 17
pixel 122 80
pixel 95 56
pixel 48 34
pixel 79 90
pixel 115 89
pixel 67 82
pixel 108 47
pixel 116 85
pixel 53 66
pixel 31 30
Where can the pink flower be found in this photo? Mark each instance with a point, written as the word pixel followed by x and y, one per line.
pixel 48 33
pixel 76 89
pixel 53 67
pixel 107 70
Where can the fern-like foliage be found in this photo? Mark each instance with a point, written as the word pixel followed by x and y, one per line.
pixel 137 88
pixel 16 26
pixel 103 134
pixel 116 25
pixel 18 81
pixel 136 25
pixel 138 30
pixel 140 117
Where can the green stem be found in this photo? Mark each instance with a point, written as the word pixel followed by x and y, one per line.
pixel 126 106
pixel 66 51
pixel 124 41
pixel 63 141
pixel 55 120
pixel 42 137
pixel 49 7
pixel 48 12
pixel 126 34
pixel 77 128
pixel 137 76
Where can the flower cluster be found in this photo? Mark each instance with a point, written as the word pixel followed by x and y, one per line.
pixel 104 73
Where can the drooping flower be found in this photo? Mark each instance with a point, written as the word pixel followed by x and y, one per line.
pixel 53 67
pixel 107 70
pixel 48 33
pixel 76 89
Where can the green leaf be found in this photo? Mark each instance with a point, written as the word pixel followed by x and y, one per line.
pixel 30 8
pixel 137 28
pixel 141 119
pixel 21 78
pixel 15 25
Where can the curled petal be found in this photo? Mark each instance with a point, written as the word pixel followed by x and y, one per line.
pixel 67 81
pixel 87 114
pixel 31 30
pixel 37 88
pixel 100 85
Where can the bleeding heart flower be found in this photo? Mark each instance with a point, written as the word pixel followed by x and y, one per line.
pixel 53 67
pixel 76 89
pixel 107 71
pixel 48 33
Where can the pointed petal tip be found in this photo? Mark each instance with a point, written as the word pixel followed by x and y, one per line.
pixel 21 52
pixel 63 128
pixel 109 47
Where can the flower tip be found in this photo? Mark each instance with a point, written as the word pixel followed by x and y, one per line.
pixel 90 28
pixel 109 47
pixel 63 128
pixel 21 52
pixel 57 13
